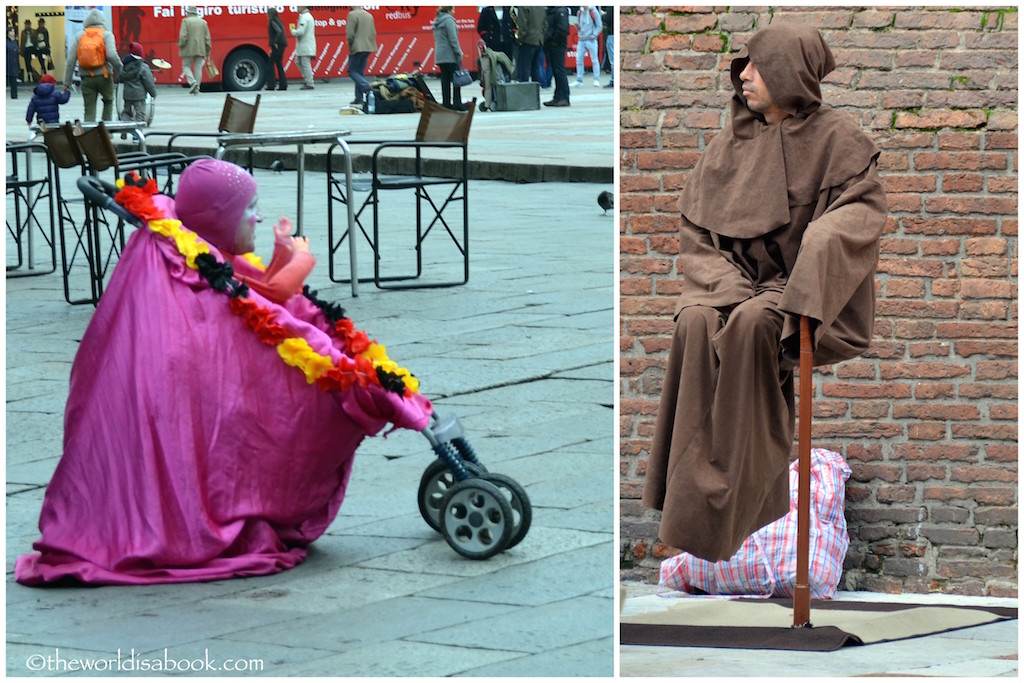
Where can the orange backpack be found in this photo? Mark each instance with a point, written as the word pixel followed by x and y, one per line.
pixel 92 51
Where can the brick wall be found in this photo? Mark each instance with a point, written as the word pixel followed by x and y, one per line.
pixel 927 418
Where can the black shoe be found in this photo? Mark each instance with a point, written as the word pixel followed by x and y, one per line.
pixel 356 101
pixel 557 103
pixel 306 87
pixel 282 87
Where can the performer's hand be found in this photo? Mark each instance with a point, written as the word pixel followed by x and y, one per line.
pixel 283 228
pixel 300 244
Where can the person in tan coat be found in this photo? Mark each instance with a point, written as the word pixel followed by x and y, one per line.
pixel 781 218
pixel 194 46
pixel 362 42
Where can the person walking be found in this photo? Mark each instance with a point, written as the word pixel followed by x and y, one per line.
pixel 13 66
pixel 305 46
pixel 136 82
pixel 46 101
pixel 94 52
pixel 42 45
pixel 362 42
pixel 194 45
pixel 278 42
pixel 530 26
pixel 28 50
pixel 448 56
pixel 556 43
pixel 588 30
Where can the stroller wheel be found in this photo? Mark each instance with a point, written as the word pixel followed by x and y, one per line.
pixel 518 500
pixel 476 519
pixel 483 106
pixel 434 483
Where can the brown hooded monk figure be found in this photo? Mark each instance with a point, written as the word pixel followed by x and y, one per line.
pixel 781 218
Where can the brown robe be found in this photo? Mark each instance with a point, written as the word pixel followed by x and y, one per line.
pixel 778 222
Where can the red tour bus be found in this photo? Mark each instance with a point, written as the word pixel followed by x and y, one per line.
pixel 405 40
pixel 241 52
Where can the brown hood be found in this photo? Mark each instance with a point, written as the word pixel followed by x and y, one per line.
pixel 792 59
pixel 751 173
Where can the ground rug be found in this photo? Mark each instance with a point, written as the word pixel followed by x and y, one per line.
pixel 767 624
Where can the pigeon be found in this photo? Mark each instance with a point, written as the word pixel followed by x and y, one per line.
pixel 606 200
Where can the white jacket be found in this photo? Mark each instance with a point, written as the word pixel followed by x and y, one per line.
pixel 305 36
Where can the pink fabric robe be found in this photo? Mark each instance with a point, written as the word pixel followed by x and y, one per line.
pixel 192 452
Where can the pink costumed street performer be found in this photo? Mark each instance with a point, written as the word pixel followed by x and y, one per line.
pixel 214 406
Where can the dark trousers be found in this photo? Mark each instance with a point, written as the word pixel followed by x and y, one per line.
pixel 30 73
pixel 450 93
pixel 356 69
pixel 277 63
pixel 12 83
pixel 527 63
pixel 556 62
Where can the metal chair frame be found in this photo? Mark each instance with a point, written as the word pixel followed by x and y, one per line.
pixel 439 128
pixel 29 191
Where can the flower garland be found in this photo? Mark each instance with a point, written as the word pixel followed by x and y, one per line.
pixel 364 361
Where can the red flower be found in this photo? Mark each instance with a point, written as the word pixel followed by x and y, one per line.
pixel 259 320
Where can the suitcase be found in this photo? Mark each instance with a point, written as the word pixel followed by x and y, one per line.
pixel 516 96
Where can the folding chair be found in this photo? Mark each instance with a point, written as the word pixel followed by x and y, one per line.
pixel 76 242
pixel 27 192
pixel 237 116
pixel 439 129
pixel 100 156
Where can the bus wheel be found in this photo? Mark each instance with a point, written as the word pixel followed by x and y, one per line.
pixel 245 69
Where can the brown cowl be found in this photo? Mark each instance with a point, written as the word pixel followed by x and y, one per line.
pixel 807 153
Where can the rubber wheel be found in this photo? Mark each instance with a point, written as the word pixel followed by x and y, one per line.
pixel 245 69
pixel 434 483
pixel 518 500
pixel 476 519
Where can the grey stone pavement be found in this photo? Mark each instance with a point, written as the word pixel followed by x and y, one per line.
pixel 523 353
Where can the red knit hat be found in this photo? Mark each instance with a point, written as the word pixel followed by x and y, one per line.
pixel 135 49
pixel 47 78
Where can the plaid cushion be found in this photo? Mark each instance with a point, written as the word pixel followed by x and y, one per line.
pixel 765 565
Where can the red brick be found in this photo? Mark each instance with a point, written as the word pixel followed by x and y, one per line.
pixel 970 204
pixel 693 23
pixel 931 119
pixel 960 161
pixel 963 182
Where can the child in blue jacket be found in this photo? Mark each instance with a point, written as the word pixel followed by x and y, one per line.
pixel 46 101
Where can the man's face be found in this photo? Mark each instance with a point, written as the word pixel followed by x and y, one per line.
pixel 757 95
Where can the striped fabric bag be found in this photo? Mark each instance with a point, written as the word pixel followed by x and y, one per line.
pixel 765 565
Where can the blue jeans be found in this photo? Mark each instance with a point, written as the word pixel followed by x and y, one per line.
pixel 356 68
pixel 584 46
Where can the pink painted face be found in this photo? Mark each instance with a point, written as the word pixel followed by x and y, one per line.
pixel 245 238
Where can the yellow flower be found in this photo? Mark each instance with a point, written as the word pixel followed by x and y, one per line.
pixel 255 260
pixel 188 242
pixel 297 352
